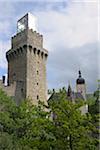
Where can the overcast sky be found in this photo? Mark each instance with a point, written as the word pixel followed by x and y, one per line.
pixel 70 30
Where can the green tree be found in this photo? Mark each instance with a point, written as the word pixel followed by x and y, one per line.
pixel 94 111
pixel 25 126
pixel 29 127
pixel 72 129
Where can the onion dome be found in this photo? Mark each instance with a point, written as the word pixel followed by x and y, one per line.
pixel 80 80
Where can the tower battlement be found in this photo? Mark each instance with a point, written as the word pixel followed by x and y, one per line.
pixel 27 62
pixel 14 53
pixel 27 36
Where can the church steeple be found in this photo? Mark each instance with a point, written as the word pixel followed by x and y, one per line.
pixel 80 85
pixel 69 91
pixel 79 74
pixel 80 80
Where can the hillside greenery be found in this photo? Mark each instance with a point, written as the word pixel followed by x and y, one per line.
pixel 29 127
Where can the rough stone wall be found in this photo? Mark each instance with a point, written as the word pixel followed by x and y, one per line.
pixel 34 39
pixel 16 66
pixel 36 68
pixel 27 66
pixel 17 71
pixel 19 39
pixel 81 88
pixel 36 76
pixel 27 36
pixel 14 90
pixel 10 90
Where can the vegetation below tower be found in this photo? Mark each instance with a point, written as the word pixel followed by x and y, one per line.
pixel 29 127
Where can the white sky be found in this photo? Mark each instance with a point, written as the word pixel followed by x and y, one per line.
pixel 70 34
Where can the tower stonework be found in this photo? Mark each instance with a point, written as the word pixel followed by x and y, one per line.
pixel 81 86
pixel 27 65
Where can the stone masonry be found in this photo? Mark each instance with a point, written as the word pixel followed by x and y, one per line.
pixel 27 67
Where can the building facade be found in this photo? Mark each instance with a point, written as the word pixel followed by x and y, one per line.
pixel 73 96
pixel 80 85
pixel 27 63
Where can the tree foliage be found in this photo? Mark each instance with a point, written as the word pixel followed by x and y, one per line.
pixel 94 111
pixel 29 127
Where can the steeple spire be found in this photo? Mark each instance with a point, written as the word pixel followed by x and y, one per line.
pixel 69 90
pixel 79 74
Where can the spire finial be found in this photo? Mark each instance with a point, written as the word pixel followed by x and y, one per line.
pixel 79 73
pixel 69 89
pixel 68 82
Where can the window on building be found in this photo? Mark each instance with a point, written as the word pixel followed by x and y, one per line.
pixel 37 97
pixel 21 89
pixel 37 72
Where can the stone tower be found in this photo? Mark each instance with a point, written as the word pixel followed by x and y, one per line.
pixel 27 62
pixel 81 86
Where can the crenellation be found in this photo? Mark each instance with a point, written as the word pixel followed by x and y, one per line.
pixel 30 46
pixel 24 46
pixel 15 41
pixel 18 51
pixel 8 52
pixel 15 53
pixel 38 51
pixel 42 54
pixel 45 51
pixel 34 49
pixel 35 39
pixel 27 67
pixel 12 54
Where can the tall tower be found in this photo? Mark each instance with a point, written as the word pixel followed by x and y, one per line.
pixel 80 85
pixel 27 62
